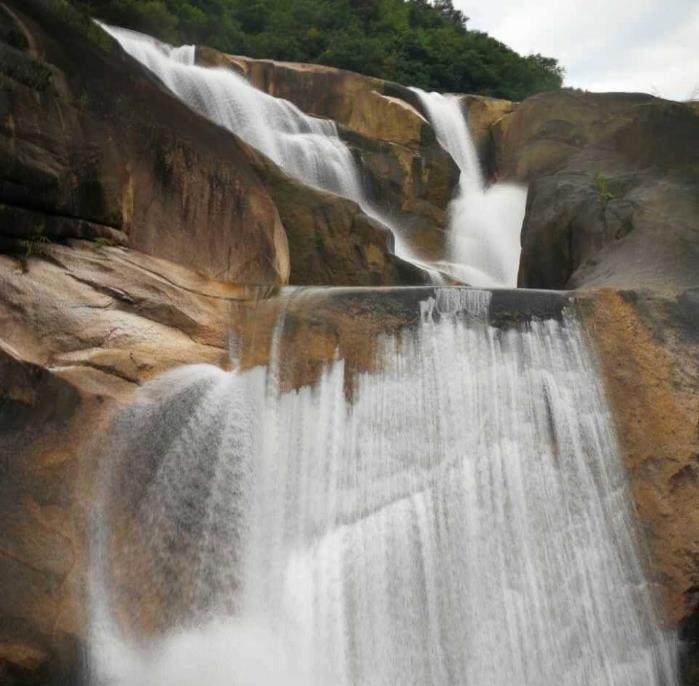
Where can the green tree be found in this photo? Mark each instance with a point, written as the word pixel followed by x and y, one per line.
pixel 417 42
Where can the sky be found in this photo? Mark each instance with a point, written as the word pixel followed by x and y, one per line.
pixel 651 46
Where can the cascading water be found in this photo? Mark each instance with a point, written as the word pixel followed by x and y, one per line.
pixel 485 223
pixel 306 147
pixel 462 519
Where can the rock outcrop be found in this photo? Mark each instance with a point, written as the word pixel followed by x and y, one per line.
pixel 80 327
pixel 331 240
pixel 613 189
pixel 482 114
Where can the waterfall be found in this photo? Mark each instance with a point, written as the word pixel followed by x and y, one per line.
pixel 307 148
pixel 460 518
pixel 485 222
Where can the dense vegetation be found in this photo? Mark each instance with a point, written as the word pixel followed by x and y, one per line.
pixel 415 42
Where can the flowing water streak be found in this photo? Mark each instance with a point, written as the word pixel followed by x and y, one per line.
pixel 485 223
pixel 462 521
pixel 306 147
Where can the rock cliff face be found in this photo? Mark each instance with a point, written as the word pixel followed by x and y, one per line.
pixel 96 149
pixel 134 235
pixel 648 346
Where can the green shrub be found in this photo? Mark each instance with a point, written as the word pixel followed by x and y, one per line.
pixel 103 243
pixel 602 186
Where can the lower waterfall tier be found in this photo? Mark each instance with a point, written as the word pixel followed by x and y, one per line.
pixel 456 515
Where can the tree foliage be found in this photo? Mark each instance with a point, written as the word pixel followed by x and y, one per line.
pixel 415 42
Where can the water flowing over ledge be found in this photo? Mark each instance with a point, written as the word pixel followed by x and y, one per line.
pixel 485 223
pixel 461 518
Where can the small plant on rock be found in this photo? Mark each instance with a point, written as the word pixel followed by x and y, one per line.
pixel 34 245
pixel 602 186
pixel 30 247
pixel 104 243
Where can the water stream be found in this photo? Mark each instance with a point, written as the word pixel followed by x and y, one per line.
pixel 485 222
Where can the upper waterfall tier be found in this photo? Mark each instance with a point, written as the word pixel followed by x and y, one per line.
pixel 485 225
pixel 306 147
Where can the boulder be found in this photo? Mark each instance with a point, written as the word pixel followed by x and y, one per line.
pixel 331 240
pixel 613 189
pixel 625 230
pixel 482 114
pixel 548 130
pixel 411 187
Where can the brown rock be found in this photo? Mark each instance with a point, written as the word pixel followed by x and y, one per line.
pixel 386 118
pixel 649 353
pixel 550 130
pixel 394 143
pixel 330 239
pixel 482 114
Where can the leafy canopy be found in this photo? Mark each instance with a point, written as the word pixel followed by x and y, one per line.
pixel 415 42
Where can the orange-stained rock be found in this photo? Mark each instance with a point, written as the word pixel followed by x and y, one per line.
pixel 81 327
pixel 648 347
